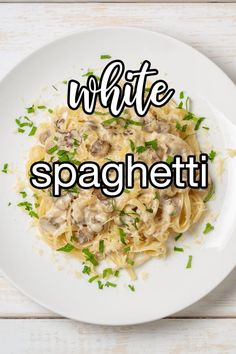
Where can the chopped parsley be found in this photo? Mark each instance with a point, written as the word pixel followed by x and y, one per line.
pixel 88 73
pixel 105 56
pixel 30 109
pixel 152 143
pixel 106 272
pixel 126 190
pixel 23 122
pixel 189 264
pixel 178 236
pixel 5 168
pixel 208 228
pixel 100 284
pixel 101 246
pixel 181 128
pixel 53 149
pixel 181 95
pixel 149 210
pixel 41 107
pixel 199 121
pixel 132 145
pixel 136 220
pixel 67 248
pixel 32 131
pixel 29 208
pixel 132 122
pixel 85 136
pixel 132 288
pixel 126 249
pixel 156 196
pixel 116 273
pixel 93 278
pixel 101 113
pixel 130 261
pixel 212 155
pixel 122 235
pixel 109 121
pixel 169 159
pixel 109 284
pixel 86 270
pixel 24 194
pixel 90 256
pixel 178 249
pixel 148 144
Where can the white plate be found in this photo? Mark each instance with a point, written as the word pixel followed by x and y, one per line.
pixel 169 287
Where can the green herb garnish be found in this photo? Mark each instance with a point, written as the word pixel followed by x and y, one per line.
pixel 208 228
pixel 189 264
pixel 106 272
pixel 108 284
pixel 169 159
pixel 105 56
pixel 122 235
pixel 5 168
pixel 24 194
pixel 180 127
pixel 109 121
pixel 86 270
pixel 93 278
pixel 212 155
pixel 178 249
pixel 31 109
pixel 101 113
pixel 156 196
pixel 90 256
pixel 67 248
pixel 29 208
pixel 132 145
pixel 130 261
pixel 101 246
pixel 178 237
pixel 100 284
pixel 132 288
pixel 199 121
pixel 32 131
pixel 53 149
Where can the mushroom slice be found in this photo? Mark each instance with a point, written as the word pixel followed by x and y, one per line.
pixel 84 235
pixel 100 148
pixel 44 136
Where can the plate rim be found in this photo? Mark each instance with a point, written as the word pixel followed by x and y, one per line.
pixel 134 29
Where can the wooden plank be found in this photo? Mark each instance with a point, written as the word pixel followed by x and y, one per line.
pixel 118 1
pixel 211 28
pixel 162 337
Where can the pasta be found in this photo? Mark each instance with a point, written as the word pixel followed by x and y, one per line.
pixel 131 228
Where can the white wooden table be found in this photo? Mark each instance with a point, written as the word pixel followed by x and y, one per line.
pixel 209 326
